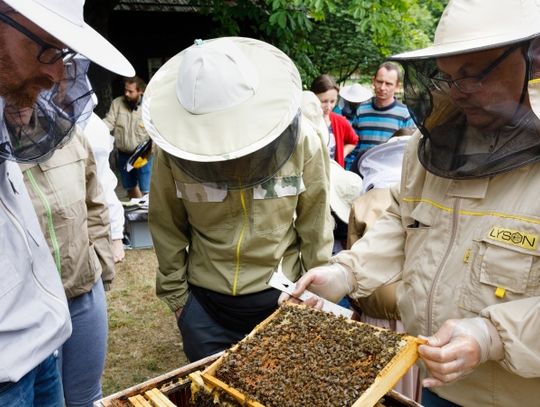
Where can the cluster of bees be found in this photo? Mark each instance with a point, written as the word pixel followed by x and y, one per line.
pixel 305 357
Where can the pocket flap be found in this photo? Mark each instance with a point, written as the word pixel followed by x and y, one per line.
pixel 71 153
pixel 207 192
pixel 503 267
pixel 278 187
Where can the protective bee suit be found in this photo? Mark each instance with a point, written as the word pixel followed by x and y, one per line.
pixel 463 227
pixel 35 319
pixel 240 182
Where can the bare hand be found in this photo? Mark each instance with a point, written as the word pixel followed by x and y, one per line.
pixel 118 250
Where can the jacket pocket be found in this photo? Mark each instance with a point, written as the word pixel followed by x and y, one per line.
pixel 499 273
pixel 66 171
pixel 206 204
pixel 275 201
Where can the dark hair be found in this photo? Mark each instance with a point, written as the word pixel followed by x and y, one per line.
pixel 141 85
pixel 323 83
pixel 391 66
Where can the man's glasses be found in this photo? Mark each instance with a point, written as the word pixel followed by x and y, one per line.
pixel 470 84
pixel 48 54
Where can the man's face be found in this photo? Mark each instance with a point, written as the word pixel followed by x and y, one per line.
pixel 495 103
pixel 22 76
pixel 385 83
pixel 131 93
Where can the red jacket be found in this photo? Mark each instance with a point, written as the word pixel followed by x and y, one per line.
pixel 343 134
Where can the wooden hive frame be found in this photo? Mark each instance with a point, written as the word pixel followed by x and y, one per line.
pixel 383 383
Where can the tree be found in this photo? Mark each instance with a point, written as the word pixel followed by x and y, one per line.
pixel 342 37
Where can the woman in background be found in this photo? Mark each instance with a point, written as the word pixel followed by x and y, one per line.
pixel 342 138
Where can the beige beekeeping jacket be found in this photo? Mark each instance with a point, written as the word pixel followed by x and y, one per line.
pixel 462 249
pixel 73 215
pixel 126 125
pixel 237 238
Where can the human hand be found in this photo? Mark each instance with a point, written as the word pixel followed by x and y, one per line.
pixel 457 348
pixel 178 312
pixel 331 282
pixel 118 250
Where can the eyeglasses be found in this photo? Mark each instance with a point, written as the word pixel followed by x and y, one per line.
pixel 49 54
pixel 471 84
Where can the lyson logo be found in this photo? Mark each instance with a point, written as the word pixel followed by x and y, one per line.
pixel 514 237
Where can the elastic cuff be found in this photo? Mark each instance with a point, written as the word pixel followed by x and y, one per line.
pixel 496 348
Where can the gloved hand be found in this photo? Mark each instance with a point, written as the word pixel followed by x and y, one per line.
pixel 332 282
pixel 458 347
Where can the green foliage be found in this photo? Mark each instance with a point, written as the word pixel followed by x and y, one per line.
pixel 341 37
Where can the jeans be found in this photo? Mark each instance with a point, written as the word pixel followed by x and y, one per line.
pixel 140 176
pixel 40 387
pixel 82 358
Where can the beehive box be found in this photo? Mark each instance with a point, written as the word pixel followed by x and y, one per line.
pixel 175 388
pixel 304 357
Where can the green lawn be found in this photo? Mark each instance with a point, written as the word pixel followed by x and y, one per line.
pixel 144 341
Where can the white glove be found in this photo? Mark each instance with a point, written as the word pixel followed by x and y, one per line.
pixel 458 347
pixel 331 282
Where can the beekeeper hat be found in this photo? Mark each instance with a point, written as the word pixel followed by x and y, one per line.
pixel 222 99
pixel 475 25
pixel 345 187
pixel 64 20
pixel 355 93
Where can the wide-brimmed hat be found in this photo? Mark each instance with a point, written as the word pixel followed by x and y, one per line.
pixel 64 20
pixel 355 93
pixel 345 187
pixel 475 25
pixel 222 99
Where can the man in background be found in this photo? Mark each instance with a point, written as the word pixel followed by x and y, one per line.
pixel 124 119
pixel 378 118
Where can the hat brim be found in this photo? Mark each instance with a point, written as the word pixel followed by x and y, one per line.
pixel 233 132
pixel 461 47
pixel 355 97
pixel 81 38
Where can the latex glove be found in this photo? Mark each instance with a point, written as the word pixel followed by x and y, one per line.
pixel 332 282
pixel 458 347
pixel 118 250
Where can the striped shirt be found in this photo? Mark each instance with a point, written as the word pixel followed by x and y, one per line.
pixel 376 125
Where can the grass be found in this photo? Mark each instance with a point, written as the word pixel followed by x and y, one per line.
pixel 144 341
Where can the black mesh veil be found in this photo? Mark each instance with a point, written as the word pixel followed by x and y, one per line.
pixel 450 146
pixel 249 170
pixel 31 134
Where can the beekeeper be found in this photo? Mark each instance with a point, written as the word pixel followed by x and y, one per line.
pixel 240 182
pixel 463 230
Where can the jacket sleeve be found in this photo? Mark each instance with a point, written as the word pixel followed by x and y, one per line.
pixel 518 325
pixel 99 232
pixel 350 134
pixel 112 115
pixel 314 223
pixel 377 258
pixel 170 234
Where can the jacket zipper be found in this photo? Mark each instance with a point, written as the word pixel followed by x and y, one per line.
pixel 240 241
pixel 455 219
pixel 50 223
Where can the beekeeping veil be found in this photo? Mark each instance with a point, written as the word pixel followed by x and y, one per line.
pixel 226 110
pixel 451 147
pixel 31 133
